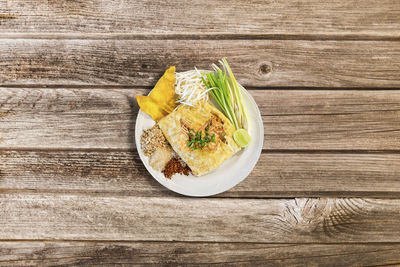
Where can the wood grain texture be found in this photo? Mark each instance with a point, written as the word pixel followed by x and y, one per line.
pixel 73 190
pixel 337 17
pixel 276 174
pixel 256 63
pixel 293 119
pixel 50 118
pixel 220 254
pixel 79 217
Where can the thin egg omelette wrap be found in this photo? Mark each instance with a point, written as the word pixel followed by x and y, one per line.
pixel 203 117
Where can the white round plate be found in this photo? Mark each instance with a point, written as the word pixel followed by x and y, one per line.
pixel 227 175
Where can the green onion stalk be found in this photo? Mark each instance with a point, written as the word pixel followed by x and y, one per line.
pixel 226 91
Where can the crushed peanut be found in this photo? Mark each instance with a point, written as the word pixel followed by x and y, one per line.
pixel 152 139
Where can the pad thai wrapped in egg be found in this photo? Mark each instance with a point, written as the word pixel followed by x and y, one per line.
pixel 201 115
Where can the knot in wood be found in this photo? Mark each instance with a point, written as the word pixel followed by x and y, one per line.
pixel 265 69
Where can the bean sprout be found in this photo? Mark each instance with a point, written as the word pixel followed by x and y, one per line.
pixel 190 88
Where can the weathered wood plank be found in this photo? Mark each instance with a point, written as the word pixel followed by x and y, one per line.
pixel 286 63
pixel 80 217
pixel 276 174
pixel 221 254
pixel 337 17
pixel 293 119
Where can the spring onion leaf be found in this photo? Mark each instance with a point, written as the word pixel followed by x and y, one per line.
pixel 226 91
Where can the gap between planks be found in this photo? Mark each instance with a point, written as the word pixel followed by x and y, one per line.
pixel 216 36
pixel 125 87
pixel 263 151
pixel 189 242
pixel 166 193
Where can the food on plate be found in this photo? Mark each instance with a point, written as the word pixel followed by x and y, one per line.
pixel 153 139
pixel 190 88
pixel 174 166
pixel 160 153
pixel 242 137
pixel 200 121
pixel 159 159
pixel 202 136
pixel 155 146
pixel 161 100
pixel 226 91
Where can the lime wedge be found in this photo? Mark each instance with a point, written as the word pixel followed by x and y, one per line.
pixel 241 137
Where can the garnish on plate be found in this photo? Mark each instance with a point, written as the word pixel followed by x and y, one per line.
pixel 226 91
pixel 161 101
pixel 155 146
pixel 175 166
pixel 189 87
pixel 197 140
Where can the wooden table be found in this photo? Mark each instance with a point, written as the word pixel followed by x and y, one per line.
pixel 325 74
